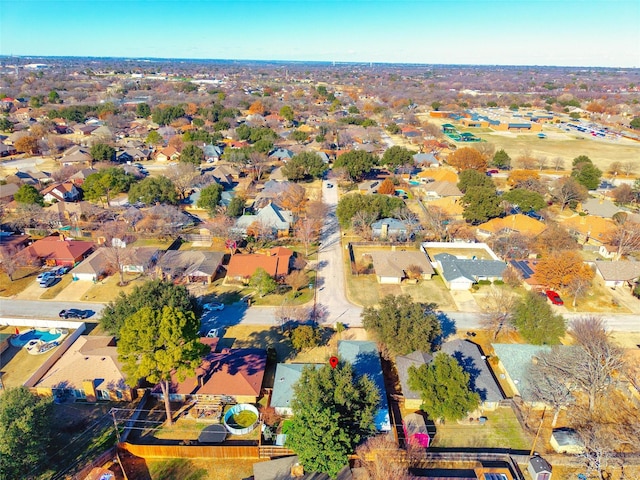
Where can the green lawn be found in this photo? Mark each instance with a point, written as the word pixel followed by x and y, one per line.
pixel 501 430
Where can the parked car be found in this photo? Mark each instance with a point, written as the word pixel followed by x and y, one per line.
pixel 60 270
pixel 213 333
pixel 48 281
pixel 554 297
pixel 208 307
pixel 45 275
pixel 74 313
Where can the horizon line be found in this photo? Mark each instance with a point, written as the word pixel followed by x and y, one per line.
pixel 334 62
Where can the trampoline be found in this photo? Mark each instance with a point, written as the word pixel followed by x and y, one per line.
pixel 213 434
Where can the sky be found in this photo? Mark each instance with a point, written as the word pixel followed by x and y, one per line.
pixel 602 33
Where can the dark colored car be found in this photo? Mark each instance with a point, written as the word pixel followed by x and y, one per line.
pixel 554 297
pixel 74 313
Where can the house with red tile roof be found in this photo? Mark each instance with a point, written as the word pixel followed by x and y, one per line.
pixel 57 250
pixel 236 373
pixel 242 266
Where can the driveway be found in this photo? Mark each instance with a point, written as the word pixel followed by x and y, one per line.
pixel 464 301
pixel 331 301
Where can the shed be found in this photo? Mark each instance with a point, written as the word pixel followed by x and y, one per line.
pixel 415 429
pixel 539 468
pixel 566 440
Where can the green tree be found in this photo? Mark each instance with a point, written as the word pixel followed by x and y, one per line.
pixel 143 110
pixel 286 112
pixel 156 344
pixel 25 432
pixel 155 294
pixel 164 116
pixel 525 199
pixel 444 388
pixel 501 159
pixel 635 123
pixel 263 282
pixel 357 163
pixel 53 97
pixel 379 206
pixel 537 323
pixel 403 325
pixel 5 125
pixel 585 172
pixel 305 336
pixel 36 101
pixel 101 152
pixel 154 138
pixel 304 166
pixel 28 194
pixel 393 128
pixel 397 156
pixel 480 204
pixel 236 207
pixel 333 411
pixel 192 154
pixel 154 190
pixel 473 178
pixel 436 105
pixel 299 136
pixel 105 183
pixel 210 197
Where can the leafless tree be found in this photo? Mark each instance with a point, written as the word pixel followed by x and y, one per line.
pixel 526 160
pixel 488 150
pixel 578 287
pixel 306 231
pixel 382 459
pixel 615 168
pixel 567 190
pixel 361 222
pixel 296 280
pixel 436 222
pixel 628 167
pixel 544 387
pixel 541 161
pixel 498 305
pixel 184 176
pixel 11 260
pixel 626 237
pixel 287 313
pixel 601 439
pixel 258 163
pixel 558 163
pixel 116 239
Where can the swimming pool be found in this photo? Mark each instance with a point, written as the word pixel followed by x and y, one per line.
pixel 413 182
pixel 45 336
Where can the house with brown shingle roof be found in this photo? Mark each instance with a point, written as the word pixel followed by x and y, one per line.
pixel 61 192
pixel 90 370
pixel 235 373
pixel 391 266
pixel 242 266
pixel 57 250
pixel 440 189
pixel 167 154
pixel 618 273
pixel 588 228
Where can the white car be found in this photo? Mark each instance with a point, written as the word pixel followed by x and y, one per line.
pixel 213 333
pixel 208 307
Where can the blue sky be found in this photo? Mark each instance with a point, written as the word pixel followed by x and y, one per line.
pixel 515 32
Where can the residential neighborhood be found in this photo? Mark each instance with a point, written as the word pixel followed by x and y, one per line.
pixel 222 267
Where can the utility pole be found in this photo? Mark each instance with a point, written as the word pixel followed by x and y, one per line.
pixel 535 440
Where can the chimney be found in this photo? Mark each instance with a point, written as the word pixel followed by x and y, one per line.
pixel 385 230
pixel 89 390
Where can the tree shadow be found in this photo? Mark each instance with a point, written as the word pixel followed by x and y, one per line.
pixel 448 326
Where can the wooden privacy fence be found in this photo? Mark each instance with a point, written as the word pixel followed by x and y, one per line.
pixel 191 451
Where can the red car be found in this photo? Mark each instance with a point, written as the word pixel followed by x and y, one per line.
pixel 554 297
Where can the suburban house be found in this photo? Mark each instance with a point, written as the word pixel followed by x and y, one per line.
pixel 514 360
pixel 281 154
pixel 461 273
pixel 438 175
pixel 242 266
pixel 289 468
pixel 61 192
pixel 425 159
pixel 7 150
pixel 88 370
pixel 190 266
pixel 619 273
pixel 287 374
pixel 57 250
pixel 132 155
pixel 93 267
pixel 141 260
pixel 440 189
pixel 412 399
pixel 272 192
pixel 474 362
pixel 271 219
pixel 10 244
pixel 589 228
pixel 599 207
pixel 391 266
pixel 365 359
pixel 72 212
pixel 369 186
pixel 167 154
pixel 392 228
pixel 235 374
pixel 7 192
pixel 76 155
pixel 517 223
pixel 212 153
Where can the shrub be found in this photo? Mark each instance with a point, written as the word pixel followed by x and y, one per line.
pixel 484 282
pixel 305 336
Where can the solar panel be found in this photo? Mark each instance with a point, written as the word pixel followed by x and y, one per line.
pixel 526 268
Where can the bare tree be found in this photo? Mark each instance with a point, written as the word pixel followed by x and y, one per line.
pixel 436 222
pixel 382 459
pixel 567 190
pixel 11 260
pixel 307 230
pixel 486 149
pixel 628 167
pixel 498 305
pixel 544 387
pixel 184 176
pixel 578 287
pixel 542 162
pixel 558 163
pixel 257 164
pixel 626 237
pixel 526 160
pixel 116 246
pixel 296 280
pixel 361 222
